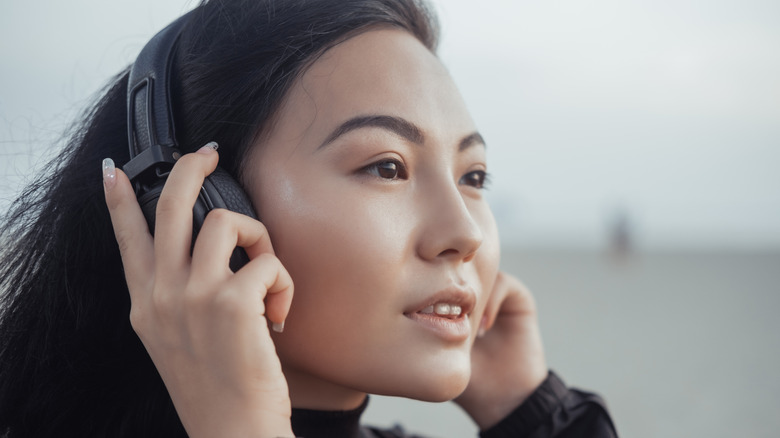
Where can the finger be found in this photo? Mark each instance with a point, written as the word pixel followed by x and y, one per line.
pixel 130 228
pixel 510 298
pixel 222 231
pixel 497 295
pixel 173 227
pixel 266 276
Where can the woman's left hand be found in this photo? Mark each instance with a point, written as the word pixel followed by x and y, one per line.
pixel 507 358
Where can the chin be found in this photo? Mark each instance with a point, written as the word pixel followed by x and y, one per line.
pixel 440 393
pixel 429 383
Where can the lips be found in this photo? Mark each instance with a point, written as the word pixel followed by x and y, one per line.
pixel 445 314
pixel 452 303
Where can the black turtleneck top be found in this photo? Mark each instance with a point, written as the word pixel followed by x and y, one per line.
pixel 553 410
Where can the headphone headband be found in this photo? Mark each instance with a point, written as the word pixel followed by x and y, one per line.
pixel 150 128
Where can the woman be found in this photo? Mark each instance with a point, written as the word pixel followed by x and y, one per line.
pixel 357 152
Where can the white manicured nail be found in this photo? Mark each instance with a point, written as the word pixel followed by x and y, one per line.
pixel 109 173
pixel 209 147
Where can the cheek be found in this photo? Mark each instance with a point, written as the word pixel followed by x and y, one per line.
pixel 491 248
pixel 346 259
pixel 487 261
pixel 327 239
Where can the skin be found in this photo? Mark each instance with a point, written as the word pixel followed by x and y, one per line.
pixel 368 225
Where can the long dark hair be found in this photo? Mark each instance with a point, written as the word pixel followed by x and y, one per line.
pixel 70 364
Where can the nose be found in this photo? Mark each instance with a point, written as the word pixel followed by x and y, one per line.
pixel 449 230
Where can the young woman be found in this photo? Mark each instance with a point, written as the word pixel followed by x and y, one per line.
pixel 374 269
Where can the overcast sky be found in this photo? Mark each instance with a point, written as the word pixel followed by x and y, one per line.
pixel 668 111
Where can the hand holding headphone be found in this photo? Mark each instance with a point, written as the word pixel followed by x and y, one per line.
pixel 153 144
pixel 205 327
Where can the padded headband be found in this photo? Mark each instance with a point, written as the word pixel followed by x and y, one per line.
pixel 150 128
pixel 153 145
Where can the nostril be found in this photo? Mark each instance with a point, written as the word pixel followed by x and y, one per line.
pixel 448 252
pixel 464 257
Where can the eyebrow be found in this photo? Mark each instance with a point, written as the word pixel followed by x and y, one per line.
pixel 471 140
pixel 397 125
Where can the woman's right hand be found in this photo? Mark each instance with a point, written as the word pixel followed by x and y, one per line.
pixel 204 326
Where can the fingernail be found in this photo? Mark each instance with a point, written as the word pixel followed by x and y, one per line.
pixel 109 173
pixel 482 327
pixel 209 147
pixel 278 327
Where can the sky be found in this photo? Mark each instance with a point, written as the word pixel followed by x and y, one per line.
pixel 664 115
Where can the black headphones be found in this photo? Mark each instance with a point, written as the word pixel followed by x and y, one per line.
pixel 152 139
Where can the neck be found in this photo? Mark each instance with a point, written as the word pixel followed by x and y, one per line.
pixel 312 392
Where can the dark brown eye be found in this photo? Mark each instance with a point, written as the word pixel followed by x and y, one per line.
pixel 388 169
pixel 477 179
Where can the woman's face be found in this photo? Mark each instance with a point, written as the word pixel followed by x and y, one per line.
pixel 369 184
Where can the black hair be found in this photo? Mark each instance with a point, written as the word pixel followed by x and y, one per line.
pixel 70 363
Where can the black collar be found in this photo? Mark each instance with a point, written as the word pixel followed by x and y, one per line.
pixel 310 423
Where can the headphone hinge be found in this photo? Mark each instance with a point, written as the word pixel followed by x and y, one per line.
pixel 154 157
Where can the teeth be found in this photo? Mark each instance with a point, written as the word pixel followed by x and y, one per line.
pixel 443 309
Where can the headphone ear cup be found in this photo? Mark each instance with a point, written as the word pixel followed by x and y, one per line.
pixel 148 203
pixel 225 192
pixel 219 190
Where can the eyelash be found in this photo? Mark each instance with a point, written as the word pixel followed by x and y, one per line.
pixel 478 179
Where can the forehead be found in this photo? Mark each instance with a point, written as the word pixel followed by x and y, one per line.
pixel 382 71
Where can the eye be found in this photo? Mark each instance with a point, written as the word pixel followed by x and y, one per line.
pixel 387 169
pixel 477 179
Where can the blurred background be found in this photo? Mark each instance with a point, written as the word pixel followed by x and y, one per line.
pixel 634 147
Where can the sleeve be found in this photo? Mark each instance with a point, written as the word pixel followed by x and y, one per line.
pixel 554 410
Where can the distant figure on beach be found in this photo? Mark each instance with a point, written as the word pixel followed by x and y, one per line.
pixel 620 230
